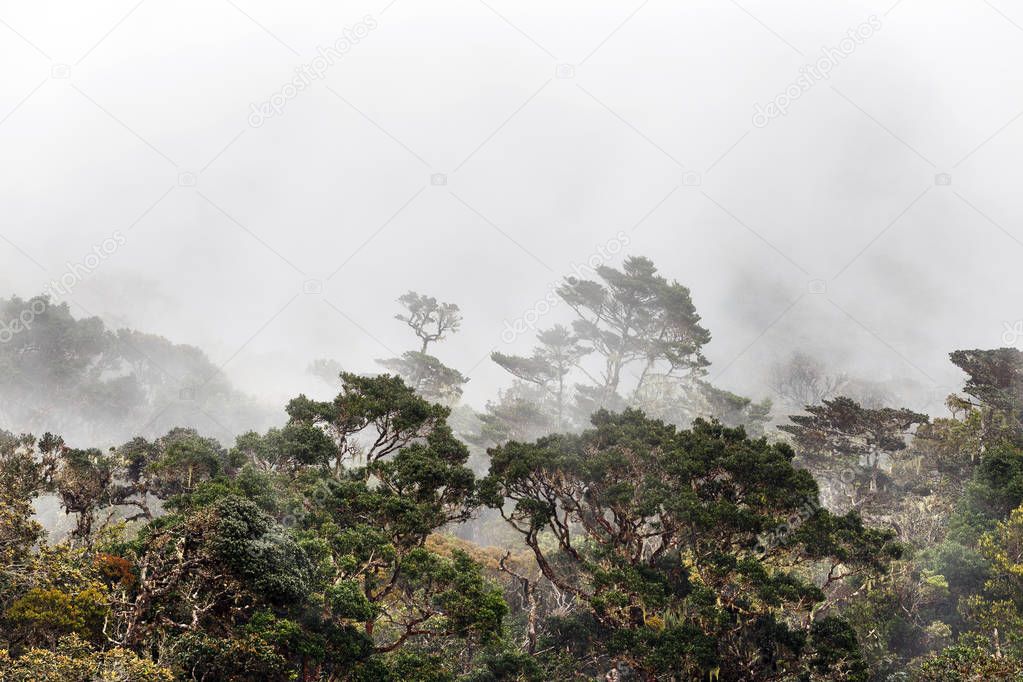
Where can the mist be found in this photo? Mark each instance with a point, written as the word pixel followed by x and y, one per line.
pixel 652 136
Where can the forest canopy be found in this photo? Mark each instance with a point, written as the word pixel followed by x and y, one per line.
pixel 611 514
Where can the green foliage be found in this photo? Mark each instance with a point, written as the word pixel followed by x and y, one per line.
pixel 503 663
pixel 287 450
pixel 430 377
pixel 657 532
pixel 558 353
pixel 637 342
pixel 968 661
pixel 836 652
pixel 183 460
pixel 654 545
pixel 636 315
pixel 258 551
pixel 55 592
pixel 431 322
pixel 244 658
pixel 995 381
pixel 847 444
pixel 995 489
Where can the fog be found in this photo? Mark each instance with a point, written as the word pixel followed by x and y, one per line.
pixel 478 151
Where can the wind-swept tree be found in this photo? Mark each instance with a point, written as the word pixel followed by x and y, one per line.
pixel 645 332
pixel 557 354
pixel 850 446
pixel 431 321
pixel 994 387
pixel 635 320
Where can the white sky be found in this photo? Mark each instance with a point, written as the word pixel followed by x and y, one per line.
pixel 540 171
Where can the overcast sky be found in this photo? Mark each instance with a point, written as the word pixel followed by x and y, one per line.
pixel 476 150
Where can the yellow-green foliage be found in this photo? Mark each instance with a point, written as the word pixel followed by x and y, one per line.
pixel 76 661
pixel 1004 548
pixel 56 611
